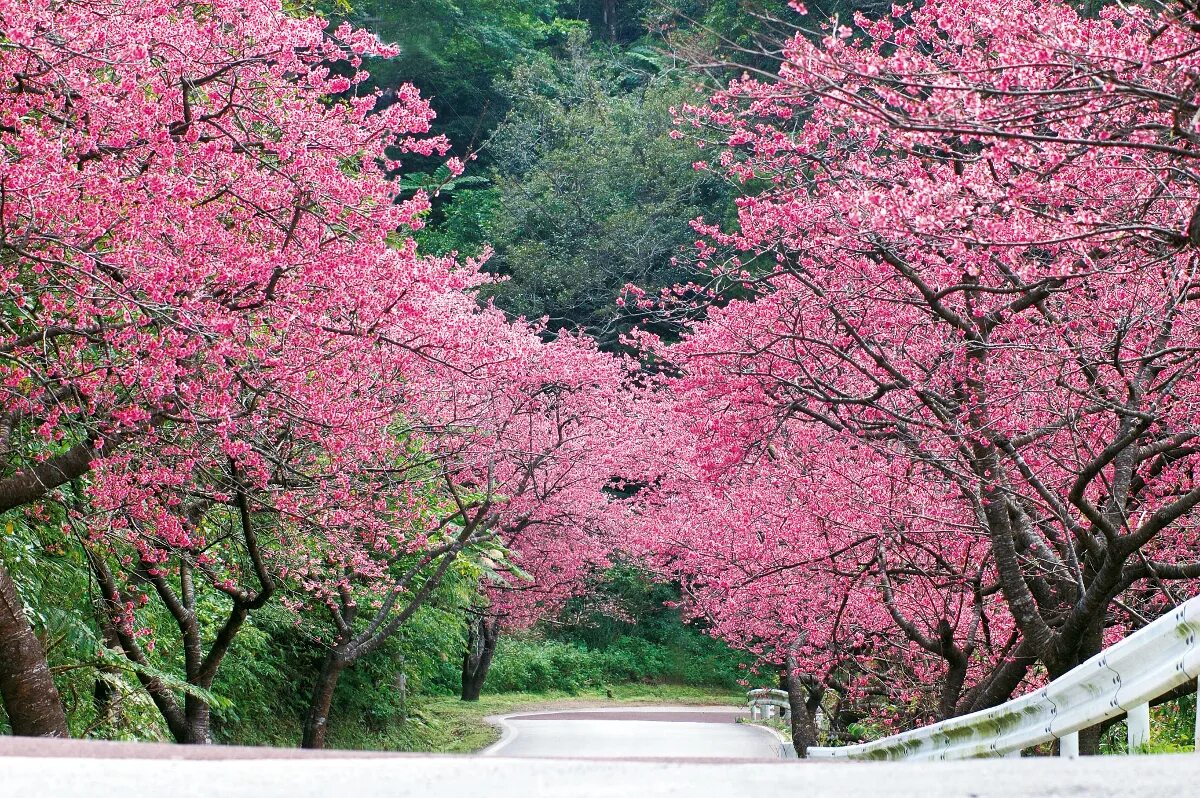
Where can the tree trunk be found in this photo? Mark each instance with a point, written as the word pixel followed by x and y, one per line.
pixel 482 638
pixel 1091 644
pixel 26 686
pixel 609 13
pixel 199 721
pixel 803 720
pixel 316 725
pixel 1000 684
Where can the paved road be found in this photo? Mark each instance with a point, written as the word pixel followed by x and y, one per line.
pixel 635 733
pixel 501 777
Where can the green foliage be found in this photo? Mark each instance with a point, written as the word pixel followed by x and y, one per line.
pixel 439 181
pixel 1173 725
pixel 462 225
pixel 264 676
pixel 1172 729
pixel 622 632
pixel 566 105
pixel 99 689
pixel 593 193
pixel 538 665
pixel 454 51
pixel 269 676
pixel 626 604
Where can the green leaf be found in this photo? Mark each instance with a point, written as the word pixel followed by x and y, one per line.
pixel 118 660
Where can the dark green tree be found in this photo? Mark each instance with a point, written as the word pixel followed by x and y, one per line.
pixel 456 51
pixel 590 190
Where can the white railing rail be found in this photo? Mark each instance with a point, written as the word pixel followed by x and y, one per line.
pixel 766 704
pixel 1121 680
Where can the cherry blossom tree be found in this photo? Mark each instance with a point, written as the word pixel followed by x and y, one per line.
pixel 327 468
pixel 182 204
pixel 545 565
pixel 518 441
pixel 833 574
pixel 969 246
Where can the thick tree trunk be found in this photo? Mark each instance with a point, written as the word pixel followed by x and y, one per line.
pixel 1090 645
pixel 1000 685
pixel 802 708
pixel 316 725
pixel 30 698
pixel 199 721
pixel 482 638
pixel 952 689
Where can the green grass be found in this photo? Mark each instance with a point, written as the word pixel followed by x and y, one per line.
pixel 1171 730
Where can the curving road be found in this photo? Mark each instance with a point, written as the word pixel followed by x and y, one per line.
pixel 635 733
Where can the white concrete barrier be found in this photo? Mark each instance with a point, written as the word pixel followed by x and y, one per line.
pixel 1121 680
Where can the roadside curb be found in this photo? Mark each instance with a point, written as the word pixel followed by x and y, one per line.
pixel 786 751
pixel 508 733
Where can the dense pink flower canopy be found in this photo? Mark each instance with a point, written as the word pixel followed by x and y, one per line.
pixel 958 409
pixel 216 308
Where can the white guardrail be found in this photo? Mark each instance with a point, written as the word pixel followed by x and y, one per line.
pixel 766 704
pixel 1121 680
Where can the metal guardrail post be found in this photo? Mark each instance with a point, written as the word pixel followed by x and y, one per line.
pixel 1137 721
pixel 1196 740
pixel 1068 745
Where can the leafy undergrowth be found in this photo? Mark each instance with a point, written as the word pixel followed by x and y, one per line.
pixel 444 724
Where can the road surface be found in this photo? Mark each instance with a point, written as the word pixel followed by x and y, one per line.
pixel 635 733
pixel 90 769
pixel 418 776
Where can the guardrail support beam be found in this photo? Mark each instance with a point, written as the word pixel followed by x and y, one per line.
pixel 1068 745
pixel 1138 722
